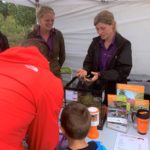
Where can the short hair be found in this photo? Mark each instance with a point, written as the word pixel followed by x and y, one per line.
pixel 104 16
pixel 76 120
pixel 41 45
pixel 43 10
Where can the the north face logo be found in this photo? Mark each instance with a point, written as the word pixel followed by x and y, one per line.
pixel 32 68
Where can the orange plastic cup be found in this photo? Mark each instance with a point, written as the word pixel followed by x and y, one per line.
pixel 93 132
pixel 142 121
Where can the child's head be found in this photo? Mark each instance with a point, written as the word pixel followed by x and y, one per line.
pixel 75 120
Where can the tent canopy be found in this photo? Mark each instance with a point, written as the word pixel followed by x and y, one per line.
pixel 75 19
pixel 49 2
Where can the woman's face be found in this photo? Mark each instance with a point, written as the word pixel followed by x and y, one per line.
pixel 105 31
pixel 46 21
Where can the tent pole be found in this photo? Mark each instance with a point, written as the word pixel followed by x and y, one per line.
pixel 37 5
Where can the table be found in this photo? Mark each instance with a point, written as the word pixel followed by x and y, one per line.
pixel 108 136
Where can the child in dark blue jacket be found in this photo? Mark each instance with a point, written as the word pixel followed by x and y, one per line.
pixel 75 124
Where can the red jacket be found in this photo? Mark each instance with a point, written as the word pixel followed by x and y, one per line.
pixel 30 100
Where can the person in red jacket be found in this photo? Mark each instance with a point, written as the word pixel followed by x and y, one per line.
pixel 30 100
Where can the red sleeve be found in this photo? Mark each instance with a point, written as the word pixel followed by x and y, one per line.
pixel 43 132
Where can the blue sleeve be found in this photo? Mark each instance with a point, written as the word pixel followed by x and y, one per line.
pixel 100 146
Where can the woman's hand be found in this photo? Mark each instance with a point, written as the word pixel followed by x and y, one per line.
pixel 81 73
pixel 95 76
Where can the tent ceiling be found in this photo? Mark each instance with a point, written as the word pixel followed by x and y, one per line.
pixel 32 3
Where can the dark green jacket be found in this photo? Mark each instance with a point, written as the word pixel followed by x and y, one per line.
pixel 57 57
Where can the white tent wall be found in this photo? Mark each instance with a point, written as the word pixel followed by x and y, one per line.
pixel 75 19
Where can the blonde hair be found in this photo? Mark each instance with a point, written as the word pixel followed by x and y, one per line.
pixel 43 10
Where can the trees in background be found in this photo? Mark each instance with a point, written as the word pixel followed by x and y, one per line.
pixel 16 21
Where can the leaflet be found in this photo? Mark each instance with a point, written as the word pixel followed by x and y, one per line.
pixel 130 142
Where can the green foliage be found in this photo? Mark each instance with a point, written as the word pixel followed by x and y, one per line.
pixel 66 70
pixel 25 16
pixel 12 9
pixel 16 21
pixel 89 100
pixel 4 9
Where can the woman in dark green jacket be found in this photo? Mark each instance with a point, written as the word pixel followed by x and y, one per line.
pixel 109 57
pixel 51 36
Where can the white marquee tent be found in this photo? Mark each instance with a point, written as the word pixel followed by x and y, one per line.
pixel 75 19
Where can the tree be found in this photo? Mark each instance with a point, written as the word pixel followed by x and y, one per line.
pixel 25 16
pixel 4 9
pixel 16 21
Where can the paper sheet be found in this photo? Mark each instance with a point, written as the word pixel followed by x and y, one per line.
pixel 131 142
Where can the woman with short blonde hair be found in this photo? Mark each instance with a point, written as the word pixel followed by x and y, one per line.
pixel 51 36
